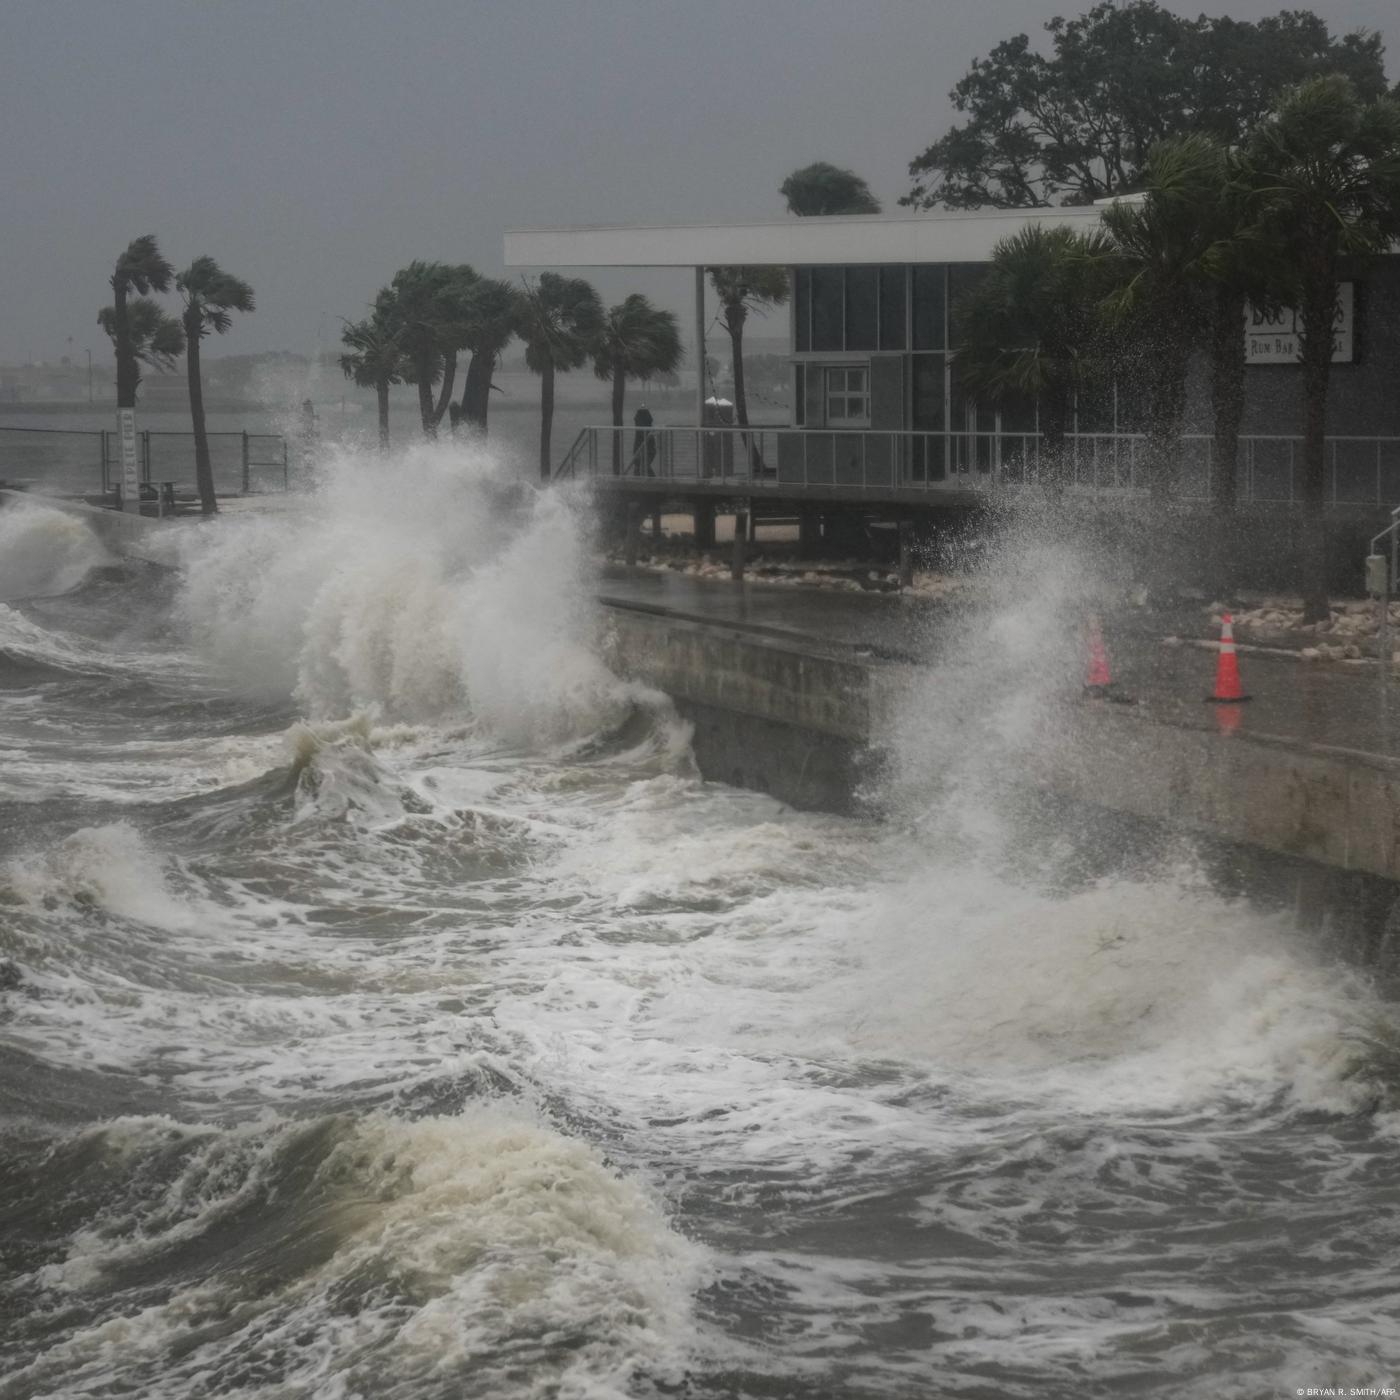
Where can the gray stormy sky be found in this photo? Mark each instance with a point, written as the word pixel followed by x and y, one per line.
pixel 314 146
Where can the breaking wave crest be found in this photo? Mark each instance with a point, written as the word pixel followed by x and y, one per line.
pixel 375 1255
pixel 44 551
pixel 419 587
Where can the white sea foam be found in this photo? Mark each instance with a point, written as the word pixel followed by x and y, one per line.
pixel 44 551
pixel 423 586
pixel 483 1249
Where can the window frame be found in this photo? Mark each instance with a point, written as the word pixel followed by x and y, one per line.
pixel 846 394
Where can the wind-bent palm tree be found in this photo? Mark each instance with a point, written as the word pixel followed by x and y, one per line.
pixel 741 290
pixel 1326 170
pixel 143 270
pixel 375 360
pixel 490 314
pixel 1163 245
pixel 637 341
pixel 560 318
pixel 210 294
pixel 426 307
pixel 153 337
pixel 1029 329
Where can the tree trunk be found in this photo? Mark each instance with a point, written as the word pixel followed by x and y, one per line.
pixel 476 391
pixel 127 378
pixel 1319 304
pixel 1054 423
pixel 381 394
pixel 422 372
pixel 546 419
pixel 203 468
pixel 734 318
pixel 619 385
pixel 449 378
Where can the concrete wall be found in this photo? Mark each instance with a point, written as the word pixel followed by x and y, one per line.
pixel 137 536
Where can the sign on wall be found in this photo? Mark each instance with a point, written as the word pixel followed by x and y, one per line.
pixel 1273 339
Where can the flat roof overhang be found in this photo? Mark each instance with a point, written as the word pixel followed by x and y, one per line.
pixel 791 242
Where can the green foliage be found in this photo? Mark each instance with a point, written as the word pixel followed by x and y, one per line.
pixel 426 306
pixel 822 188
pixel 559 320
pixel 141 268
pixel 210 294
pixel 744 289
pixel 1078 124
pixel 373 355
pixel 1029 327
pixel 637 340
pixel 157 339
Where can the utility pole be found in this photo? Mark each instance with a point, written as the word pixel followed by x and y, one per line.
pixel 89 355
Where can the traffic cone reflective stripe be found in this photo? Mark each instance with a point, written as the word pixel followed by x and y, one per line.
pixel 1228 690
pixel 1099 677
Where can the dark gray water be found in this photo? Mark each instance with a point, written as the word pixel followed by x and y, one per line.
pixel 387 1010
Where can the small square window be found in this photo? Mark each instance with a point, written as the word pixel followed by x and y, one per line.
pixel 848 398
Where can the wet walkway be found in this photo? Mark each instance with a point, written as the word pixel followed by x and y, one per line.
pixel 1335 705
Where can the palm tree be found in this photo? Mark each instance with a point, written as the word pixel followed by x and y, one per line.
pixel 1163 247
pixel 375 360
pixel 560 318
pixel 827 189
pixel 1028 329
pixel 425 306
pixel 141 269
pixel 210 294
pixel 741 290
pixel 1326 170
pixel 153 337
pixel 637 340
pixel 489 316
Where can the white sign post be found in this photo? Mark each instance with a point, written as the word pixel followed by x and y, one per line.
pixel 1273 339
pixel 131 477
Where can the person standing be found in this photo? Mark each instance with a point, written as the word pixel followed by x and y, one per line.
pixel 643 442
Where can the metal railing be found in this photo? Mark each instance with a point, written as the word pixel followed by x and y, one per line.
pixel 78 462
pixel 1361 471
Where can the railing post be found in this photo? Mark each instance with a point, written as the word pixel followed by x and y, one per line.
pixel 245 462
pixel 102 448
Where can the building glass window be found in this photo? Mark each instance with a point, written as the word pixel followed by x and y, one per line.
pixel 848 398
pixel 930 306
pixel 802 304
pixel 892 314
pixel 828 308
pixel 862 308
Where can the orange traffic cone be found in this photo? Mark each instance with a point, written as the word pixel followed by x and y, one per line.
pixel 1228 690
pixel 1099 678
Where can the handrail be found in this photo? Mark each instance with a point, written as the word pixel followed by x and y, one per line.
pixel 566 467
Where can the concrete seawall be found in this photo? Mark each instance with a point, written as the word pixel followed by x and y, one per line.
pixel 133 536
pixel 810 723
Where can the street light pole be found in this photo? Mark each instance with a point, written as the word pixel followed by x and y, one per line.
pixel 89 355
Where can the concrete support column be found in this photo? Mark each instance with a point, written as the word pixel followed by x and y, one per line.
pixel 741 537
pixel 656 526
pixel 906 553
pixel 634 523
pixel 809 531
pixel 704 512
pixel 699 346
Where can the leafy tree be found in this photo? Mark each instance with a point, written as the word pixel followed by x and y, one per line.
pixel 637 340
pixel 741 290
pixel 1029 329
pixel 374 359
pixel 153 337
pixel 143 270
pixel 210 294
pixel 559 321
pixel 1326 170
pixel 1077 125
pixel 426 307
pixel 490 312
pixel 827 189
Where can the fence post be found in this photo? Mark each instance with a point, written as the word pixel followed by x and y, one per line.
pixel 102 448
pixel 245 461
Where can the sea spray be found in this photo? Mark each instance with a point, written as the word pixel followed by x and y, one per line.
pixel 421 586
pixel 44 551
